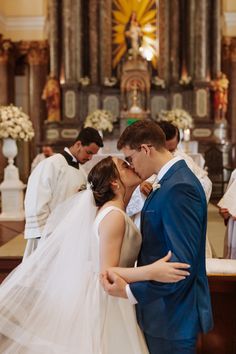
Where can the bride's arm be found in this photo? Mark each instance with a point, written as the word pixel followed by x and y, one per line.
pixel 161 270
pixel 111 239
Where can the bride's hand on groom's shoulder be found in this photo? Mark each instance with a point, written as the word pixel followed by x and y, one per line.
pixel 165 271
pixel 113 284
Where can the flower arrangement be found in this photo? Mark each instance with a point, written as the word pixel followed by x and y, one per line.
pixel 179 117
pixel 100 119
pixel 15 124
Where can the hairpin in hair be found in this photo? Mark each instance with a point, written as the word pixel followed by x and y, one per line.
pixel 90 185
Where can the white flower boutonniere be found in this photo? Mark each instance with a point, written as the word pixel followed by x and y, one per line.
pixel 156 186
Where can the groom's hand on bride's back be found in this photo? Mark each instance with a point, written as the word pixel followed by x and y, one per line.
pixel 113 284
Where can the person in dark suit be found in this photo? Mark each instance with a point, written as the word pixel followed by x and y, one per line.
pixel 174 218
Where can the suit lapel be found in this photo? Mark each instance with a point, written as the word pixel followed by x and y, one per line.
pixel 179 164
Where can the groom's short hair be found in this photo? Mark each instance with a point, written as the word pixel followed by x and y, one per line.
pixel 142 132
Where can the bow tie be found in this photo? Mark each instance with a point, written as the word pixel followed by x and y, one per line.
pixel 69 160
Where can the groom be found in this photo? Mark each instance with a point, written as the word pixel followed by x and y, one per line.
pixel 173 218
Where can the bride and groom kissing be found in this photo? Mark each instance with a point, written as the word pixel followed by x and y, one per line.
pixel 54 302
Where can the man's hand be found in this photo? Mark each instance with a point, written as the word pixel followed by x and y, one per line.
pixel 146 188
pixel 224 213
pixel 113 284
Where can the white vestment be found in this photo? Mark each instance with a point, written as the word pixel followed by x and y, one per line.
pixel 38 158
pixel 50 183
pixel 230 236
pixel 199 172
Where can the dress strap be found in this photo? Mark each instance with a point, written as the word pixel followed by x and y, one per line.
pixel 101 215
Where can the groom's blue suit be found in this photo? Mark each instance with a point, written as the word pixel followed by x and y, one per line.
pixel 174 218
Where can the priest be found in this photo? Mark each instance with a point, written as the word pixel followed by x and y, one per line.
pixel 54 180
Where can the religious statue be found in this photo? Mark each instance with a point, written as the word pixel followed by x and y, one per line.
pixel 220 88
pixel 134 33
pixel 52 96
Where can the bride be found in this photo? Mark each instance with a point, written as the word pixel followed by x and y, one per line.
pixel 54 303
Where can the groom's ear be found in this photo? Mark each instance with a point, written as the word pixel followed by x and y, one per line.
pixel 146 148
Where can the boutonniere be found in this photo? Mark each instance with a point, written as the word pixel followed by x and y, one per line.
pixel 156 186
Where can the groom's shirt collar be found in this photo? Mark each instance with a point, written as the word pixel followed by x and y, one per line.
pixel 167 166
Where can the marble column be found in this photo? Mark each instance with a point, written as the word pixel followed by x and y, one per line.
pixel 164 62
pixel 6 72
pixel 105 41
pixel 93 41
pixel 69 47
pixel 201 19
pixel 190 37
pixel 175 41
pixel 38 63
pixel 225 65
pixel 216 36
pixel 232 91
pixel 53 9
pixel 77 24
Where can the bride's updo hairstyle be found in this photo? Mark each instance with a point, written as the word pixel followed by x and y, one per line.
pixel 100 178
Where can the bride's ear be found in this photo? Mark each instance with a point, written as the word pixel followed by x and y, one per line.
pixel 115 185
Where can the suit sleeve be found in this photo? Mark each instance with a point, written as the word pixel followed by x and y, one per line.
pixel 38 196
pixel 183 224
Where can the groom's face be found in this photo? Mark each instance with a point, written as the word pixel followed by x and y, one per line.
pixel 140 160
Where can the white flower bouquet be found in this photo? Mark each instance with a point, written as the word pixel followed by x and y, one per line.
pixel 15 124
pixel 100 119
pixel 179 117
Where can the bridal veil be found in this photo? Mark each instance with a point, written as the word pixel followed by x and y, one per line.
pixel 38 300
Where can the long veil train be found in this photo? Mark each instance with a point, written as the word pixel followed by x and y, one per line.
pixel 38 300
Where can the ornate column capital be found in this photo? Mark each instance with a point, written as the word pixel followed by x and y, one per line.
pixel 37 53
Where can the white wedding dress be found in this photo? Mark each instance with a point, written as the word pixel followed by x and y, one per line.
pixel 53 303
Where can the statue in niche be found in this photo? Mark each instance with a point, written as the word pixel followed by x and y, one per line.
pixel 220 88
pixel 134 33
pixel 52 96
pixel 135 107
pixel 135 88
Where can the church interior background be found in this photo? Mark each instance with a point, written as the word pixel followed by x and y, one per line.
pixel 184 49
pixel 134 58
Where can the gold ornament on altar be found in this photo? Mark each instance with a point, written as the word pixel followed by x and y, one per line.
pixel 135 108
pixel 100 119
pixel 15 124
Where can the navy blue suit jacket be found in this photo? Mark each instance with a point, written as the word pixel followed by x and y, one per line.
pixel 174 218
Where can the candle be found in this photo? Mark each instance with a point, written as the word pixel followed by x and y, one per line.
pixel 186 134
